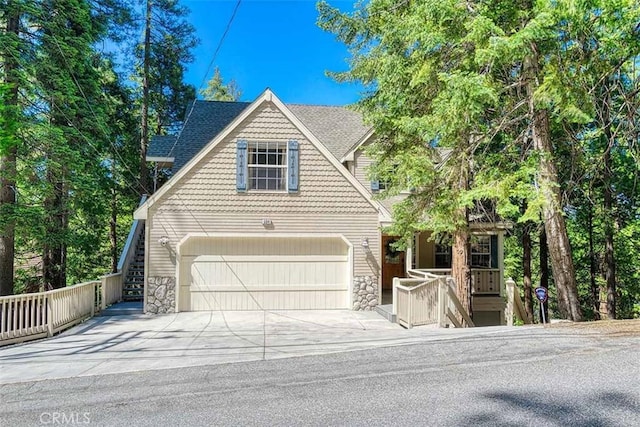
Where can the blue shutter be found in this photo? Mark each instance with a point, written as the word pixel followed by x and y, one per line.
pixel 494 252
pixel 241 166
pixel 293 172
pixel 375 186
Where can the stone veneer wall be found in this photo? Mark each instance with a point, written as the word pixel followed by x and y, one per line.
pixel 161 295
pixel 365 293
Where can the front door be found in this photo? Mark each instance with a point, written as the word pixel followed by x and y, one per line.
pixel 393 262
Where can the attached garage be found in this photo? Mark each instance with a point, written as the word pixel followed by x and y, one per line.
pixel 273 272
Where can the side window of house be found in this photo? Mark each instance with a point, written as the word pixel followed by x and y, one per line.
pixel 481 251
pixel 443 256
pixel 377 186
pixel 269 166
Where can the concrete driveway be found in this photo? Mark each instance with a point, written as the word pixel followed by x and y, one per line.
pixel 139 342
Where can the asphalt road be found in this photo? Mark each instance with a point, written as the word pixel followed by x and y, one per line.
pixel 535 377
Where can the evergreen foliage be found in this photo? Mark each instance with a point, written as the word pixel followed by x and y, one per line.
pixel 217 90
pixel 540 99
pixel 72 118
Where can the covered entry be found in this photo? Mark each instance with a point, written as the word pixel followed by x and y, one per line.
pixel 274 272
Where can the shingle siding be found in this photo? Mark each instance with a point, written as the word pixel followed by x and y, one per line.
pixel 206 200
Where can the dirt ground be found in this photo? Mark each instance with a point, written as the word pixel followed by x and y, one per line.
pixel 609 327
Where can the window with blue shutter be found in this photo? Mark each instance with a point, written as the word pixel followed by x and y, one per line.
pixel 293 172
pixel 241 166
pixel 375 186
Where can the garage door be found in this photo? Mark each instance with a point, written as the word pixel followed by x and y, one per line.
pixel 275 273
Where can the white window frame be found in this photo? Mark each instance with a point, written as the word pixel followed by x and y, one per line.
pixel 442 250
pixel 481 251
pixel 276 146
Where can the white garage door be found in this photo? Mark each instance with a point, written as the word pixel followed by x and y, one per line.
pixel 274 273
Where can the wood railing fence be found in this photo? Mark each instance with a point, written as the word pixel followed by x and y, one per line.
pixel 515 306
pixel 32 316
pixel 426 299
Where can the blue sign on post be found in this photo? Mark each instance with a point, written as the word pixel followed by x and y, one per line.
pixel 541 294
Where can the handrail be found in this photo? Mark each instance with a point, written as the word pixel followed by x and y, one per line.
pixel 428 299
pixel 415 301
pixel 37 315
pixel 515 305
pixel 463 312
pixel 131 237
pixel 428 273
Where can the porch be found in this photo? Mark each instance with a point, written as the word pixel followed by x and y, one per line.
pixel 427 259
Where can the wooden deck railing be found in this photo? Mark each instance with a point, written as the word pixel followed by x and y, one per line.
pixel 428 297
pixel 111 289
pixel 38 315
pixel 415 301
pixel 483 280
pixel 515 306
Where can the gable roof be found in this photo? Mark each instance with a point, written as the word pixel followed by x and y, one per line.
pixel 337 128
pixel 205 120
pixel 267 97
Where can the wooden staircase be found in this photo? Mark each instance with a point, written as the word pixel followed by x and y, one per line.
pixel 133 285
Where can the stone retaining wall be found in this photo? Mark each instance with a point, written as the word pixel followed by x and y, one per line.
pixel 365 293
pixel 161 295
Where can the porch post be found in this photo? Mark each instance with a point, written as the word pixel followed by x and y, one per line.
pixel 511 287
pixel 442 302
pixel 394 301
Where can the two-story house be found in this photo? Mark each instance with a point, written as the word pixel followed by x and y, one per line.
pixel 269 206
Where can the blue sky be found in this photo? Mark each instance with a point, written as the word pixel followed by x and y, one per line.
pixel 274 44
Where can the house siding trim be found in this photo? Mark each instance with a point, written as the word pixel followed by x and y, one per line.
pixel 267 97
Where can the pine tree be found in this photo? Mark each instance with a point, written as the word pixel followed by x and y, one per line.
pixel 218 90
pixel 168 40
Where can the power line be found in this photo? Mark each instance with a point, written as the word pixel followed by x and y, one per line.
pixel 204 79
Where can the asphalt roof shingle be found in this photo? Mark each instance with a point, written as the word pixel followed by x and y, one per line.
pixel 161 146
pixel 338 128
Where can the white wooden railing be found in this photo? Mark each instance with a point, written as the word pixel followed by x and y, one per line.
pixel 415 301
pixel 428 297
pixel 515 306
pixel 128 251
pixel 483 280
pixel 32 316
pixel 111 289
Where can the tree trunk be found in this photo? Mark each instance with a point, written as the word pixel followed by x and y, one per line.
pixel 460 251
pixel 460 270
pixel 595 289
pixel 526 270
pixel 544 271
pixel 144 125
pixel 555 225
pixel 8 166
pixel 609 255
pixel 113 231
pixel 54 260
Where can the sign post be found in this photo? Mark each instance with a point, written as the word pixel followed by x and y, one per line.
pixel 541 294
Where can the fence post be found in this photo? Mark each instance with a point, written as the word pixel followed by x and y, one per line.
pixel 47 300
pixel 442 302
pixel 510 290
pixel 103 293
